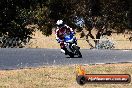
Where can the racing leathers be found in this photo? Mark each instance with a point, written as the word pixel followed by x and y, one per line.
pixel 60 32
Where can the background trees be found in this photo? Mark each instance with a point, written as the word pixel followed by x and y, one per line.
pixel 16 14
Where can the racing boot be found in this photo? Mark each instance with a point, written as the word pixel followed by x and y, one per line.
pixel 63 48
pixel 65 51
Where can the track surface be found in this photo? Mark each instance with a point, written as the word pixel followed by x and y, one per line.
pixel 20 58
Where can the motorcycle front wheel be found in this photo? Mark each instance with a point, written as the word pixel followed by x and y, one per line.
pixel 71 55
pixel 77 51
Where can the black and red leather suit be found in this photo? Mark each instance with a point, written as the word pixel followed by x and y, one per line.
pixel 60 33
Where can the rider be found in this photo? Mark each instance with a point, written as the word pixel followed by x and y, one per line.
pixel 60 32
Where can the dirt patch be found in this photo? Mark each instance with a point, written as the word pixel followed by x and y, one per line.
pixel 120 40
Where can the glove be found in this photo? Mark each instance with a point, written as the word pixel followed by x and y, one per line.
pixel 73 32
pixel 59 40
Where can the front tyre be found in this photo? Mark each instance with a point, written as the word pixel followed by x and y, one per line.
pixel 77 52
pixel 71 55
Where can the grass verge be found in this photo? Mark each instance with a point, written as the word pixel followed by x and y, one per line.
pixel 60 76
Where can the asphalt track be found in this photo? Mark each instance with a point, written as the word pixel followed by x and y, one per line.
pixel 20 58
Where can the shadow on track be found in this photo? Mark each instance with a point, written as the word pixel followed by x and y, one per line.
pixel 73 57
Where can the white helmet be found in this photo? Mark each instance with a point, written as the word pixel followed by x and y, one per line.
pixel 59 22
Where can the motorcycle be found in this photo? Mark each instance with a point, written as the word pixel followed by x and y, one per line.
pixel 71 45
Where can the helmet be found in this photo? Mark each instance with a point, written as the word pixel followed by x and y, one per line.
pixel 59 23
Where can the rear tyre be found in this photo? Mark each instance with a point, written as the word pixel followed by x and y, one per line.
pixel 79 54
